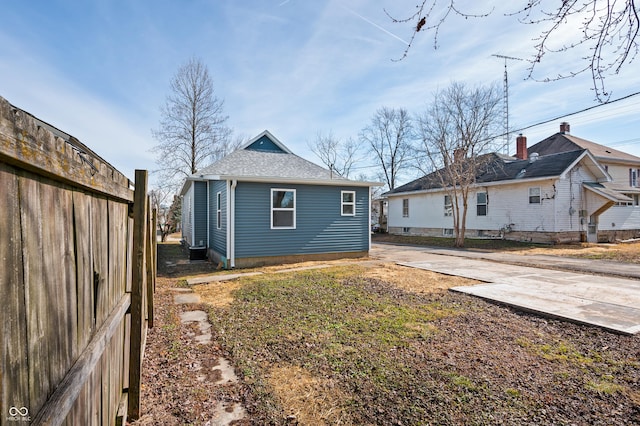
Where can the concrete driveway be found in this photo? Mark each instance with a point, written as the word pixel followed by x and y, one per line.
pixel 608 300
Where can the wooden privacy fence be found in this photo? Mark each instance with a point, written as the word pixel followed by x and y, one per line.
pixel 77 272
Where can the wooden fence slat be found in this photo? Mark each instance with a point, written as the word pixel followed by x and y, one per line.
pixel 99 236
pixel 140 217
pixel 36 299
pixel 59 404
pixel 59 277
pixel 14 377
pixel 84 266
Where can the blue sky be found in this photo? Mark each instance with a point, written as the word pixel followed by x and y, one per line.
pixel 100 70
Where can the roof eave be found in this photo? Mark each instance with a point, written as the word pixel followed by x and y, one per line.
pixel 475 185
pixel 301 181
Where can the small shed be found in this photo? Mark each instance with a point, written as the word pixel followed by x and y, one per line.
pixel 262 204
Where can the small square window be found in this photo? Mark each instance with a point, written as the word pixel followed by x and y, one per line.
pixel 481 203
pixel 534 195
pixel 348 203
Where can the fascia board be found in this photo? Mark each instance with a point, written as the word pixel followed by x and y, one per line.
pixel 331 182
pixel 477 185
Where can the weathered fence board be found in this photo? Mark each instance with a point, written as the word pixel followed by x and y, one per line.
pixel 67 250
pixel 14 381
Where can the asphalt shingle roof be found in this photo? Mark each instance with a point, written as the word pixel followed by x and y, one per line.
pixel 246 163
pixel 500 168
pixel 563 142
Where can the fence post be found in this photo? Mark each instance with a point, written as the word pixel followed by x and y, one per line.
pixel 138 278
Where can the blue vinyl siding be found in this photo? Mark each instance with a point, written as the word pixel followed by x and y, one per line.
pixel 218 237
pixel 199 213
pixel 320 227
pixel 264 144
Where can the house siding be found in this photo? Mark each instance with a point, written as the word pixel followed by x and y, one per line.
pixel 199 214
pixel 218 237
pixel 320 227
pixel 507 208
pixel 264 144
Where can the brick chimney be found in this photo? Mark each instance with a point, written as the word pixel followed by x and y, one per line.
pixel 521 147
pixel 565 128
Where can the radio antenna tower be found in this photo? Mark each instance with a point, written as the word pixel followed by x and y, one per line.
pixel 506 100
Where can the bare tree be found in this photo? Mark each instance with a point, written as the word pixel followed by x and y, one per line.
pixel 608 30
pixel 390 136
pixel 337 155
pixel 192 131
pixel 456 130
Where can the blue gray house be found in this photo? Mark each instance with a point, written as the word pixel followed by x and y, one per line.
pixel 262 204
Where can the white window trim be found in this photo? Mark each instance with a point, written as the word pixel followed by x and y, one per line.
pixel 219 210
pixel 294 209
pixel 343 203
pixel 485 204
pixel 539 194
pixel 448 208
pixel 405 213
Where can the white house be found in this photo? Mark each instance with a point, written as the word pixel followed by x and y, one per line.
pixel 559 190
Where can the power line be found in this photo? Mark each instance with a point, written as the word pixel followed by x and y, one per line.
pixel 541 123
pixel 577 112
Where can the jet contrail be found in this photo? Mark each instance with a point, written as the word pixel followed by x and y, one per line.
pixel 374 24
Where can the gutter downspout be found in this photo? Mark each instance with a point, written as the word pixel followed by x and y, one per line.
pixel 231 224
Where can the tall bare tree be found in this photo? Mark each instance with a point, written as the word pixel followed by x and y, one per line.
pixel 337 155
pixel 607 29
pixel 389 137
pixel 457 128
pixel 192 131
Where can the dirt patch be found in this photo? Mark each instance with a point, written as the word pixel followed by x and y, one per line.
pixel 619 252
pixel 308 400
pixel 415 280
pixel 629 252
pixel 217 294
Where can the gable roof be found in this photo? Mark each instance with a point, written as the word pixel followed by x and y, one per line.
pixel 266 159
pixel 563 142
pixel 500 168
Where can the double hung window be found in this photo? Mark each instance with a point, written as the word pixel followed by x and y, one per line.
pixel 283 208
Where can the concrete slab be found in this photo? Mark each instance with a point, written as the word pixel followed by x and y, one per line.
pixel 186 298
pixel 609 302
pixel 220 277
pixel 201 319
